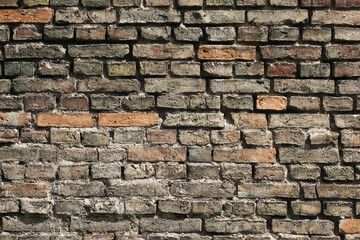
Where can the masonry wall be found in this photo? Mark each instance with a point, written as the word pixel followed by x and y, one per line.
pixel 180 120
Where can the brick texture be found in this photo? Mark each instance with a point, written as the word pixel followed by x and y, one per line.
pixel 180 119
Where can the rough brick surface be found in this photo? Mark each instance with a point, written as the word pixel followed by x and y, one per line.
pixel 180 119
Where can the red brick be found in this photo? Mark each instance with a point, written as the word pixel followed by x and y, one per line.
pixel 75 103
pixel 349 226
pixel 226 52
pixel 30 190
pixel 66 120
pixel 315 3
pixel 347 3
pixel 157 154
pixel 271 103
pixel 16 119
pixel 281 69
pixel 161 136
pixel 158 3
pixel 128 119
pixel 39 15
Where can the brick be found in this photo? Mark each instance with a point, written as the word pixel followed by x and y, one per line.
pixel 202 189
pixel 128 119
pixel 323 227
pixel 73 172
pixel 347 121
pixel 163 51
pixel 305 52
pixel 116 69
pixel 106 85
pixel 9 3
pixel 30 3
pixel 65 120
pixel 338 173
pixel 158 3
pixel 99 102
pixel 26 32
pixel 139 207
pixel 316 34
pixel 268 190
pixel 126 3
pixel 116 33
pixel 9 206
pixel 219 3
pixel 346 34
pixel 269 172
pixel 190 3
pixel 346 69
pixel 346 4
pixel 15 119
pixel 88 67
pixel 281 69
pixel 249 69
pixel 188 34
pixel 171 171
pixel 249 120
pixel 214 17
pixel 50 68
pixel 40 224
pixel 202 171
pixel 98 50
pixel 253 34
pixel 224 136
pixel 95 138
pixel 34 50
pixel 225 52
pixel 299 120
pixel 240 86
pixel 39 103
pixel 323 137
pixel 90 33
pixel 153 68
pixel 39 15
pixel 301 104
pixel 189 137
pixel 265 102
pixel 75 103
pixel 338 209
pixel 272 208
pixel 93 189
pixel 74 15
pixel 108 224
pixel 217 69
pixel 28 190
pixel 123 135
pixel 19 69
pixel 45 172
pixel 10 103
pixel 149 16
pixel 185 68
pixel 106 171
pixel 95 236
pixel 156 154
pixel 235 226
pixel 13 172
pixel 139 102
pixel 304 86
pixel 156 33
pixel 95 3
pixel 8 135
pixel 319 155
pixel 337 103
pixel 36 207
pixel 306 208
pixel 350 138
pixel 342 52
pixel 348 226
pixel 284 3
pixel 139 171
pixel 211 120
pixel 64 136
pixel 258 155
pixel 335 17
pixel 273 17
pixel 220 34
pixel 161 136
pixel 250 3
pixel 237 102
pixel 178 207
pixel 4 34
pixel 314 70
pixel 138 189
pixel 204 102
pixel 165 225
pixel 236 171
pixel 315 3
pixel 286 34
pixel 304 172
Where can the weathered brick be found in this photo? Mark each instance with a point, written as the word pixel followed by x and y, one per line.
pixel 244 102
pixel 338 173
pixel 149 16
pixel 268 190
pixel 139 102
pixel 156 154
pixel 98 50
pixel 346 3
pixel 348 226
pixel 314 70
pixel 188 34
pixel 204 102
pixel 90 33
pixel 34 50
pixel 95 3
pixel 128 136
pixel 320 227
pixel 29 190
pixel 269 17
pixel 93 189
pixel 74 15
pixel 306 208
pixel 249 69
pixel 217 69
pixel 173 101
pixel 299 120
pixel 39 103
pixel 224 136
pixel 64 136
pixel 8 135
pixel 9 3
pixel 220 34
pixel 304 172
pixel 214 17
pixel 115 69
pixel 126 3
pixel 156 33
pixel 139 171
pixel 249 120
pixel 298 155
pixel 265 102
pixel 337 103
pixel 240 86
pixel 171 171
pixel 269 172
pixel 315 3
pixel 58 32
pixel 92 224
pixel 213 120
pixel 235 226
pixel 9 206
pixel 46 172
pixel 185 68
pixel 116 33
pixel 272 208
pixel 188 137
pixel 226 52
pixel 235 171
pixel 79 154
pixel 250 3
pixel 347 121
pixel 259 155
pixel 36 206
pixel 106 85
pixel 163 51
pixel 346 69
pixel 301 52
pixel 165 225
pixel 50 68
pixel 286 34
pixel 128 119
pixel 75 103
pixel 138 189
pixel 31 224
pixel 95 138
pixel 158 136
pixel 15 119
pixel 253 34
pixel 338 209
pixel 139 207
pixel 26 32
pixel 65 120
pixel 316 34
pixel 304 86
pixel 10 103
pixel 202 189
pixel 38 15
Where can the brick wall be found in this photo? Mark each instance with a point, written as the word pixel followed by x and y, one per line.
pixel 180 120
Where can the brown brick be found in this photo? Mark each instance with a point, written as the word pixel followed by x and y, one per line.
pixel 226 52
pixel 158 3
pixel 65 120
pixel 156 154
pixel 38 15
pixel 33 135
pixel 257 155
pixel 315 3
pixel 277 103
pixel 75 103
pixel 349 226
pixel 30 190
pixel 15 119
pixel 342 52
pixel 346 69
pixel 281 69
pixel 161 136
pixel 39 103
pixel 347 3
pixel 128 119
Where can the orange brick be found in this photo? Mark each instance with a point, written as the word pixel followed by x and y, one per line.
pixel 281 69
pixel 39 15
pixel 277 103
pixel 349 226
pixel 31 190
pixel 157 154
pixel 226 52
pixel 128 119
pixel 66 120
pixel 15 119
